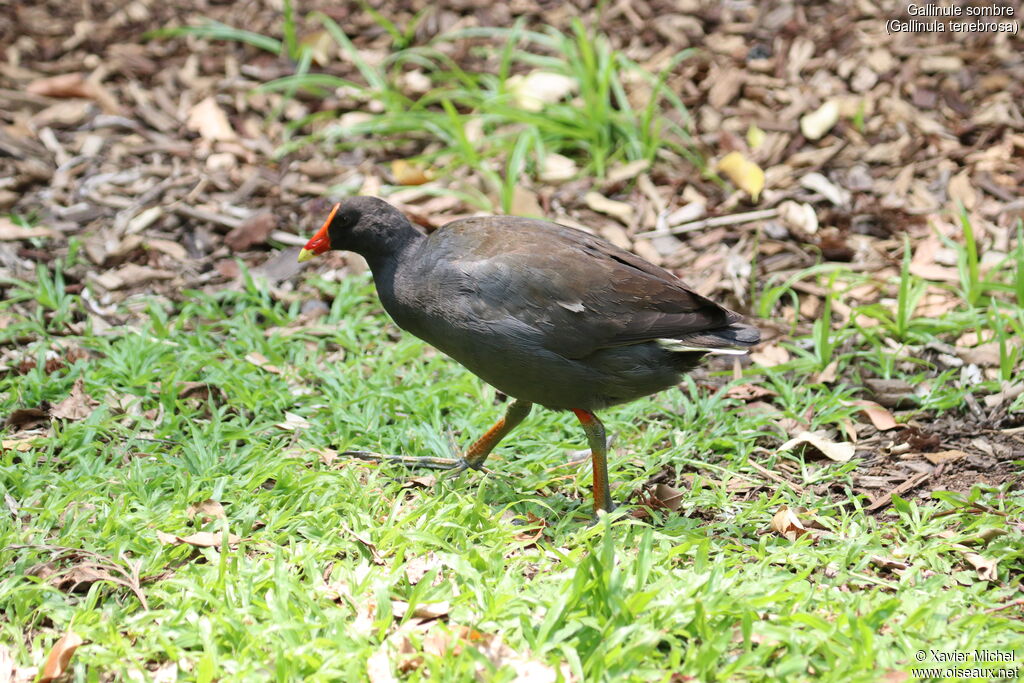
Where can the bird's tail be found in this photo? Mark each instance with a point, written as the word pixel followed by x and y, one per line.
pixel 731 340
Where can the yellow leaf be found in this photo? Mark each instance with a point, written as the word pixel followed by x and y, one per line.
pixel 755 137
pixel 745 174
pixel 408 173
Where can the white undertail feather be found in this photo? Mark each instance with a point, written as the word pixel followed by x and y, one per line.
pixel 676 345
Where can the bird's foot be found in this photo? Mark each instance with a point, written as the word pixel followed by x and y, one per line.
pixel 456 465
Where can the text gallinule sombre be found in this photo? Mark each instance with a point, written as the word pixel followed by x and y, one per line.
pixel 545 313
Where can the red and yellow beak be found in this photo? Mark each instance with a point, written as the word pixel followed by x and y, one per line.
pixel 321 241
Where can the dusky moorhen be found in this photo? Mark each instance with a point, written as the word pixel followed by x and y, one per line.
pixel 545 313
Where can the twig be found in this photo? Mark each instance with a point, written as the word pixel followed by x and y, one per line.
pixel 1008 605
pixel 909 484
pixel 714 222
pixel 776 477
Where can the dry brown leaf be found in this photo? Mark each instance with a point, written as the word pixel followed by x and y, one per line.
pixel 537 89
pixel 620 211
pixel 293 422
pixel 10 231
pixel 530 537
pixel 828 375
pixel 786 523
pixel 59 658
pixel 201 391
pixel 20 444
pixel 770 356
pixel 745 174
pixel 628 171
pixel 423 610
pixel 27 418
pixel 881 418
pixel 427 481
pixel 749 392
pixel 419 566
pixel 557 168
pixel 77 406
pixel 210 121
pixel 262 362
pixel 252 231
pixel 986 355
pixel 132 275
pixel 986 566
pixel 200 539
pixel 378 666
pixel 944 456
pixel 837 451
pixel 669 497
pixel 524 202
pixel 209 507
pixel 62 85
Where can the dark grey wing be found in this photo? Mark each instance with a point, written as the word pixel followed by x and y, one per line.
pixel 580 293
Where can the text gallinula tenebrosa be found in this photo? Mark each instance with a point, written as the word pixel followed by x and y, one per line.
pixel 545 313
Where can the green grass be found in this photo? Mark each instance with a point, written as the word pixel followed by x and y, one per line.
pixel 707 593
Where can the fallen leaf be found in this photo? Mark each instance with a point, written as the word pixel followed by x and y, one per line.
pixel 815 124
pixel 427 481
pixel 77 406
pixel 944 456
pixel 293 422
pixel 59 658
pixel 770 356
pixel 837 451
pixel 132 275
pixel 986 566
pixel 262 362
pixel 799 216
pixel 744 174
pixel 210 121
pixel 27 418
pixel 755 136
pixel 621 211
pixel 881 418
pixel 986 355
pixel 10 231
pixel 200 539
pixel 524 202
pixel 378 666
pixel 252 231
pixel 749 392
pixel 530 537
pixel 423 610
pixel 786 523
pixel 557 168
pixel 19 445
pixel 201 391
pixel 628 171
pixel 410 173
pixel 816 182
pixel 209 507
pixel 419 566
pixel 74 85
pixel 537 89
pixel 828 375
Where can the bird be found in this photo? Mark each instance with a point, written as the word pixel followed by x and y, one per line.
pixel 545 313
